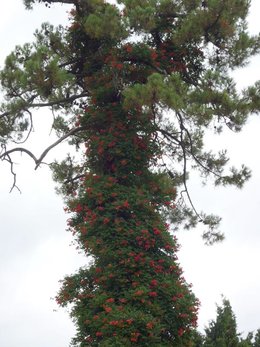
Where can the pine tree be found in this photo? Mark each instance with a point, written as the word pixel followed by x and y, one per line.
pixel 109 78
pixel 223 331
pixel 257 339
pixel 252 340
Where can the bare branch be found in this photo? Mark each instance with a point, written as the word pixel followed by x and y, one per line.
pixel 185 170
pixel 5 155
pixel 17 149
pixel 9 160
pixel 46 151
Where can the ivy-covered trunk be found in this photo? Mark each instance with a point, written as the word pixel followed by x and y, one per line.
pixel 134 292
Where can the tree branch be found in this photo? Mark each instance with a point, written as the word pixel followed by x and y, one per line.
pixel 47 104
pixel 8 158
pixel 73 179
pixel 29 131
pixel 191 152
pixel 6 153
pixel 62 101
pixel 74 2
pixel 44 153
pixel 17 149
pixel 185 170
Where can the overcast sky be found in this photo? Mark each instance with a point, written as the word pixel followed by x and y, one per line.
pixel 35 248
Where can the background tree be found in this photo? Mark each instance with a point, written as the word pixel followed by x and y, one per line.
pixel 251 339
pixel 257 338
pixel 197 339
pixel 248 341
pixel 117 86
pixel 223 331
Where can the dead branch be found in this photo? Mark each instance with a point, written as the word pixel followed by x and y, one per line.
pixel 9 160
pixel 44 153
pixel 5 154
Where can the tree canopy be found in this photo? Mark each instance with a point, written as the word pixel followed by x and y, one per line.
pixel 171 58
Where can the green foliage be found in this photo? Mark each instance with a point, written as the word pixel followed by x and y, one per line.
pixel 257 339
pixel 223 331
pixel 134 291
pixel 105 22
pixel 169 92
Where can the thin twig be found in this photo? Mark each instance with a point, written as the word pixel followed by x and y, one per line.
pixel 185 169
pixel 9 160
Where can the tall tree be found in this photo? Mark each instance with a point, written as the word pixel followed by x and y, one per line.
pixel 109 79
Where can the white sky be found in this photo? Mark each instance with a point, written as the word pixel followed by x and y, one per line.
pixel 35 248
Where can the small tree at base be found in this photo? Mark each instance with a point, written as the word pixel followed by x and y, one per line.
pixel 223 331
